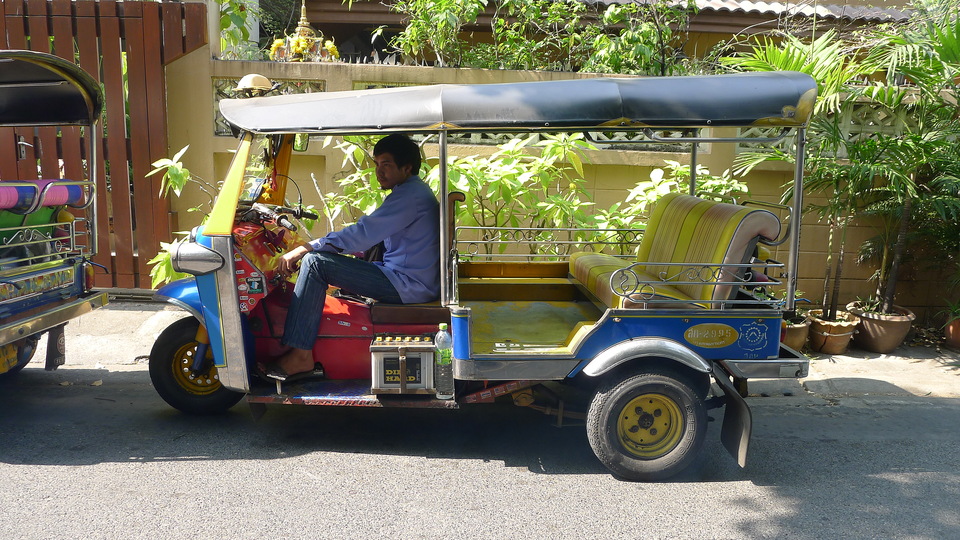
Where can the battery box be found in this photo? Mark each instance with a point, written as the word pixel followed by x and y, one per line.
pixel 395 355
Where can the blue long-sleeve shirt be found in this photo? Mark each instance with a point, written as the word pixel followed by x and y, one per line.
pixel 408 224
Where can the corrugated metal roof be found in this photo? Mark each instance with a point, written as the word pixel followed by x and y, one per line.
pixel 803 8
pixel 807 9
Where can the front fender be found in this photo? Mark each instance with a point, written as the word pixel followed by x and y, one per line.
pixel 184 294
pixel 625 351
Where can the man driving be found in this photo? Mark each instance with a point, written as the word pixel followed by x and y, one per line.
pixel 408 224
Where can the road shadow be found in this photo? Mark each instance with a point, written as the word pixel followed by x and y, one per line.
pixel 85 417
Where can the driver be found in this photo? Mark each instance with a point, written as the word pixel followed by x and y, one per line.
pixel 408 224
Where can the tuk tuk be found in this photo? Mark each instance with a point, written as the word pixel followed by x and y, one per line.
pixel 47 225
pixel 640 346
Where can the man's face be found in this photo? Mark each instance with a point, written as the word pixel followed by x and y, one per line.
pixel 389 175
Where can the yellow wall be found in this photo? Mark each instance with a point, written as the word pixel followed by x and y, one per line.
pixel 609 174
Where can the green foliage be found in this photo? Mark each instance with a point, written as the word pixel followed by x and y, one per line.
pixel 161 266
pixel 645 44
pixel 515 187
pixel 175 178
pixel 547 35
pixel 236 17
pixel 433 27
pixel 359 193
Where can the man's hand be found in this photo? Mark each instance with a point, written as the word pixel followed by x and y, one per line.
pixel 290 261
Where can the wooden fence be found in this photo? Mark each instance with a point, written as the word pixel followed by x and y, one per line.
pixel 125 46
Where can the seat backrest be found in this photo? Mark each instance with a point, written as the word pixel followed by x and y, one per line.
pixel 687 229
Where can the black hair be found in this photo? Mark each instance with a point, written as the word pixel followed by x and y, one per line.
pixel 403 150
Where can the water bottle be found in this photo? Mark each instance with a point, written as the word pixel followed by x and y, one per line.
pixel 443 363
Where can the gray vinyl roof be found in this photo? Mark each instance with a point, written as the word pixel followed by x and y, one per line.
pixel 769 98
pixel 42 89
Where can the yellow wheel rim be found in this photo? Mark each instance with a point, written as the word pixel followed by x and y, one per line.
pixel 650 426
pixel 199 384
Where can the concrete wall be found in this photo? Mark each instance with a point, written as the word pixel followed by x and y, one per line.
pixel 609 174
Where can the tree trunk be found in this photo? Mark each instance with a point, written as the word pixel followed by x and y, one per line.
pixel 899 246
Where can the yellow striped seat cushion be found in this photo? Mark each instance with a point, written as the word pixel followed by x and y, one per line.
pixel 684 229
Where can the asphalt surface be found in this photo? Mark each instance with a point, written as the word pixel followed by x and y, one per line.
pixel 863 448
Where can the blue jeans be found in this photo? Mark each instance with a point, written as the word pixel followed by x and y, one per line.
pixel 318 270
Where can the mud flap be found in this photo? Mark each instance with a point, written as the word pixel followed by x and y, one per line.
pixel 56 348
pixel 737 419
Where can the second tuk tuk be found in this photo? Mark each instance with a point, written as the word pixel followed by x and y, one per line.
pixel 640 346
pixel 48 221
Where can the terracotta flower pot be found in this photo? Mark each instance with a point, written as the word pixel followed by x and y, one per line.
pixel 832 337
pixel 881 333
pixel 951 334
pixel 795 334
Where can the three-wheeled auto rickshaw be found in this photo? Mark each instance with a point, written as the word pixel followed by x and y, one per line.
pixel 47 225
pixel 640 346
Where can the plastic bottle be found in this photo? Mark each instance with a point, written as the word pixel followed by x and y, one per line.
pixel 443 364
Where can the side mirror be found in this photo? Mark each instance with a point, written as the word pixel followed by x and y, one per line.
pixel 301 141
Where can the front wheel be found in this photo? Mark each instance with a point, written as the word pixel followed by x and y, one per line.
pixel 171 371
pixel 647 427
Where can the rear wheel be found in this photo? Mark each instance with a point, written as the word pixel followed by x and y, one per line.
pixel 18 354
pixel 171 371
pixel 647 427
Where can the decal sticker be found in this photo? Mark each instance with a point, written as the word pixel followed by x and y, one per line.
pixel 255 284
pixel 711 335
pixel 753 336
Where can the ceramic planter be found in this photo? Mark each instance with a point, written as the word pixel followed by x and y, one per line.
pixel 795 334
pixel 951 334
pixel 832 337
pixel 881 333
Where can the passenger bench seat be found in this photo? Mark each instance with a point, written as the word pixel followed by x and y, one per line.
pixel 681 229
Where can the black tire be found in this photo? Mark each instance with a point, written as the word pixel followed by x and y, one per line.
pixel 21 363
pixel 170 358
pixel 647 427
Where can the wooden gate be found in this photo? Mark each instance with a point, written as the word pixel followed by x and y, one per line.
pixel 125 46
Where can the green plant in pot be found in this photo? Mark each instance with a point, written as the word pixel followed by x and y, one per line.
pixel 796 326
pixel 916 171
pixel 834 65
pixel 879 331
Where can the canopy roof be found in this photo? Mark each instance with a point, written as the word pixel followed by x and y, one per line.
pixel 39 89
pixel 744 99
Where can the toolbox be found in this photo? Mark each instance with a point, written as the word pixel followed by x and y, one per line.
pixel 393 355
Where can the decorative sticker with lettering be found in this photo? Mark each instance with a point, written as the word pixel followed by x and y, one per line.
pixel 711 335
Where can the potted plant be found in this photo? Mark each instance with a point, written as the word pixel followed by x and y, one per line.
pixel 796 331
pixel 879 331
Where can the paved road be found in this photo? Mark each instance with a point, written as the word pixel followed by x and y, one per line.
pixel 92 452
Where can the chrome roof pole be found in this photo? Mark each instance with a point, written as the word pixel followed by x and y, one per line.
pixel 794 255
pixel 446 283
pixel 693 169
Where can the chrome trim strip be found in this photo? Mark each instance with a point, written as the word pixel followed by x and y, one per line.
pixel 234 375
pixel 642 347
pixel 180 304
pixel 507 370
pixel 20 329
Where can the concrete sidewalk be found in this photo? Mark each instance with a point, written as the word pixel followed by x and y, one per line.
pixel 119 336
